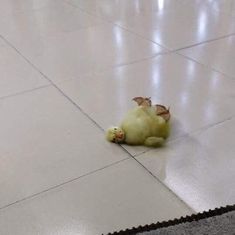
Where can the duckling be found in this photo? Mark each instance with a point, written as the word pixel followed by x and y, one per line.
pixel 146 124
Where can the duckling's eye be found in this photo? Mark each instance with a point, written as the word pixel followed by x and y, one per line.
pixel 115 128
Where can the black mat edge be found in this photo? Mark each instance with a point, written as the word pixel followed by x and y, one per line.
pixel 164 224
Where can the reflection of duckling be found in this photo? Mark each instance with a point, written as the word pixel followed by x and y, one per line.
pixel 144 125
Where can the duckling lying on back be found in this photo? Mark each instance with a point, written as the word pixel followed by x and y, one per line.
pixel 144 125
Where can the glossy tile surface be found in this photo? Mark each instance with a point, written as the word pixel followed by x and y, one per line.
pixel 170 79
pixel 54 17
pixel 64 42
pixel 44 141
pixel 69 69
pixel 121 196
pixel 219 54
pixel 16 74
pixel 114 9
pixel 199 168
pixel 97 49
pixel 226 6
pixel 12 7
pixel 164 22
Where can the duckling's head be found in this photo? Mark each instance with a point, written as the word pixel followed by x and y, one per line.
pixel 115 134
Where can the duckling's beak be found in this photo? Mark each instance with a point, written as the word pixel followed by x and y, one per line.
pixel 120 135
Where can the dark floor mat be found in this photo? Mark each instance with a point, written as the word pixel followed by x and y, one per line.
pixel 220 221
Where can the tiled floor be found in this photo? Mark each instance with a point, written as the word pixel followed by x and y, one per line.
pixel 69 69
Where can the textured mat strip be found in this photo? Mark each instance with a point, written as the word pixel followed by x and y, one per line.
pixel 165 224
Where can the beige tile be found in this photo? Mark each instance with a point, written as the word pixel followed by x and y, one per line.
pixel 55 17
pixel 34 34
pixel 68 44
pixel 112 10
pixel 219 54
pixel 90 49
pixel 118 197
pixel 45 141
pixel 12 6
pixel 17 75
pixel 198 97
pixel 164 22
pixel 2 43
pixel 96 49
pixel 199 168
pixel 226 6
pixel 169 29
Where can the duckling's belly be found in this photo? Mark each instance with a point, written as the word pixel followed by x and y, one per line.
pixel 136 131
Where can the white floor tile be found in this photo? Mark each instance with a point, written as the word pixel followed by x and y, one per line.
pixel 226 6
pixel 199 168
pixel 45 141
pixel 169 30
pixel 65 42
pixel 197 96
pixel 112 10
pixel 17 75
pixel 29 30
pixel 12 7
pixel 118 197
pixel 101 54
pixel 219 54
pixel 96 49
pixel 165 22
pixel 55 17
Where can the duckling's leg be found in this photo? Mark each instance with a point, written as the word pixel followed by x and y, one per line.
pixel 154 141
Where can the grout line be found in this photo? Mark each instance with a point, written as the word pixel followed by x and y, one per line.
pixel 165 186
pixel 116 66
pixel 129 63
pixel 78 107
pixel 205 128
pixel 211 68
pixel 204 42
pixel 139 35
pixel 24 92
pixel 62 184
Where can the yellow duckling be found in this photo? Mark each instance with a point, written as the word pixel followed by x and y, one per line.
pixel 144 125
